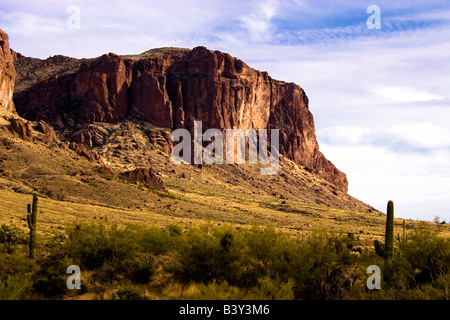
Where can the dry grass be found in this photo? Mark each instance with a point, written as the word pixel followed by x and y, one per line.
pixel 71 188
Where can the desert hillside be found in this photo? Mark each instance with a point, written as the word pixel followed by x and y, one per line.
pixel 91 140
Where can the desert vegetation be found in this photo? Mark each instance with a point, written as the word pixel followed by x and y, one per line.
pixel 218 262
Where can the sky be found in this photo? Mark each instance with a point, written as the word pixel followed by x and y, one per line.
pixel 380 96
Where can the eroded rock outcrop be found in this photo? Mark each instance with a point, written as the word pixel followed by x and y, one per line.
pixel 22 128
pixel 7 73
pixel 145 177
pixel 100 90
pixel 169 88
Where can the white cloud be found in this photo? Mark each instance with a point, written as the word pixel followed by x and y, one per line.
pixel 422 135
pixel 343 135
pixel 258 24
pixel 412 180
pixel 405 94
pixel 437 15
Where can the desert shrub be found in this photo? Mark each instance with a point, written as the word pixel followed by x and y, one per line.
pixel 130 293
pixel 155 240
pixel 263 258
pixel 215 290
pixel 418 271
pixel 175 230
pixel 205 255
pixel 271 289
pixel 115 253
pixel 396 273
pixel 15 274
pixel 105 274
pixel 11 236
pixel 317 265
pixel 15 263
pixel 141 270
pixel 96 244
pixel 428 255
pixel 284 257
pixel 261 243
pixel 223 263
pixel 197 257
pixel 16 287
pixel 50 279
pixel 438 290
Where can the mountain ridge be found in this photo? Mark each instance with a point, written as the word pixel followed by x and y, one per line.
pixel 170 88
pixel 126 164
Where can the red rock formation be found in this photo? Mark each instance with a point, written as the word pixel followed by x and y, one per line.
pixel 22 128
pixel 84 152
pixel 145 177
pixel 149 99
pixel 100 89
pixel 48 131
pixel 7 73
pixel 170 88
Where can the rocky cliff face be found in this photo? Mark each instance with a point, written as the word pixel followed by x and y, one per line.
pixel 7 73
pixel 173 87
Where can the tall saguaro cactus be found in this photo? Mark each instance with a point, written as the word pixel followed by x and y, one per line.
pixel 388 252
pixel 31 219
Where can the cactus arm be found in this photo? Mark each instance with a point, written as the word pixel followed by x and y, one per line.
pixel 378 248
pixel 30 226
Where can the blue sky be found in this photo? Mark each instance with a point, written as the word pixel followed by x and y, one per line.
pixel 380 98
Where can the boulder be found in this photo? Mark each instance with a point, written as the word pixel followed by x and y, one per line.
pixel 22 128
pixel 145 177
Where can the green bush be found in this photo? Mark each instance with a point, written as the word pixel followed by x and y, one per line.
pixel 155 240
pixel 16 287
pixel 270 289
pixel 50 279
pixel 215 290
pixel 15 263
pixel 105 274
pixel 140 271
pixel 261 242
pixel 93 245
pixel 222 263
pixel 314 266
pixel 207 255
pixel 11 236
pixel 130 293
pixel 396 273
pixel 428 255
pixel 174 230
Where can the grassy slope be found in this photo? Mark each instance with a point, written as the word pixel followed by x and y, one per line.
pixel 71 188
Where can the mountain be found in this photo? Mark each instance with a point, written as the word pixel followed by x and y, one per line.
pixel 170 88
pixel 95 135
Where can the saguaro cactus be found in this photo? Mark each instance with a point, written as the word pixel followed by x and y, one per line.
pixel 388 252
pixel 31 219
